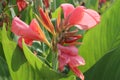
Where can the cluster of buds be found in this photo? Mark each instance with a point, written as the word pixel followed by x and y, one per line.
pixel 64 40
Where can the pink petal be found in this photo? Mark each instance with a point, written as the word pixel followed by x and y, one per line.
pixel 38 34
pixel 89 20
pixel 69 50
pixel 63 60
pixel 77 72
pixel 19 27
pixel 43 16
pixel 34 26
pixel 67 9
pixel 76 61
pixel 76 15
pixel 27 41
pixel 22 29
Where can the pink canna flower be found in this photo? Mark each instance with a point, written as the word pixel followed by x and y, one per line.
pixel 22 4
pixel 28 32
pixel 69 56
pixel 80 16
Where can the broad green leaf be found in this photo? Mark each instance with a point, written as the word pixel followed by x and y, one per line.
pixel 102 38
pixel 44 71
pixel 4 72
pixel 107 68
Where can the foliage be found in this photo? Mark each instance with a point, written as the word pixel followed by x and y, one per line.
pixel 100 46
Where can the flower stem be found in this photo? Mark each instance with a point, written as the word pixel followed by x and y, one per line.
pixel 55 53
pixel 55 61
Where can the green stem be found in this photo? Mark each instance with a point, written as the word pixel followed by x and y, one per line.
pixel 55 53
pixel 55 61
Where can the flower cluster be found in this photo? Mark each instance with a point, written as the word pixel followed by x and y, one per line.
pixel 64 40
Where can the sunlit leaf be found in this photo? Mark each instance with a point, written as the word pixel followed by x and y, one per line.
pixel 103 38
pixel 56 12
pixel 72 77
pixel 107 68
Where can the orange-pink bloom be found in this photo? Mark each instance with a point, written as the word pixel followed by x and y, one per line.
pixel 80 16
pixel 28 32
pixel 22 4
pixel 69 56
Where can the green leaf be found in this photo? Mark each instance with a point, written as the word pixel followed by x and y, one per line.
pixel 4 72
pixel 26 66
pixel 44 71
pixel 1 51
pixel 107 68
pixel 17 64
pixel 55 13
pixel 103 38
pixel 72 77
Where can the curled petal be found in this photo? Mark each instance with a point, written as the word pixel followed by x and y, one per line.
pixel 67 9
pixel 70 51
pixel 21 4
pixel 37 30
pixel 63 60
pixel 22 29
pixel 19 27
pixel 32 32
pixel 77 72
pixel 89 20
pixel 27 41
pixel 76 16
pixel 67 57
pixel 76 61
